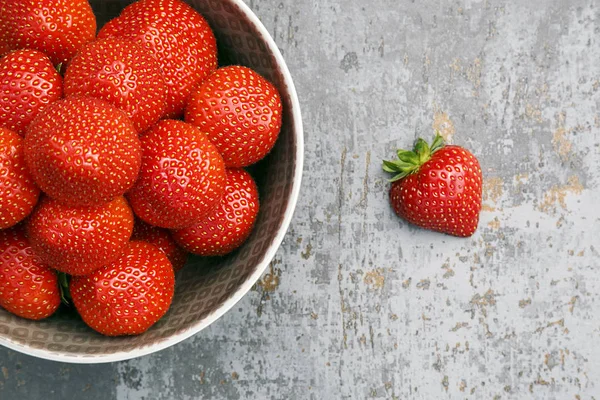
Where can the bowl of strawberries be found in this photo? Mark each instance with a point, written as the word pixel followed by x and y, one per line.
pixel 150 162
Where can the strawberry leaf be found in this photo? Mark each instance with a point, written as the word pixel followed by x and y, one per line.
pixel 422 150
pixel 389 166
pixel 409 162
pixel 63 284
pixel 408 157
pixel 438 143
pixel 398 177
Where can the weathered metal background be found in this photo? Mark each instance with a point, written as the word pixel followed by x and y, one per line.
pixel 358 305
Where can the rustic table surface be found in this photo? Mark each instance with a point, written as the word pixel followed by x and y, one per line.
pixel 359 305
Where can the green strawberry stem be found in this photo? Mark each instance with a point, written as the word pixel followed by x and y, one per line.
pixel 63 284
pixel 409 161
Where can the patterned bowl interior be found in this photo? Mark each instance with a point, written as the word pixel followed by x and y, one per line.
pixel 203 286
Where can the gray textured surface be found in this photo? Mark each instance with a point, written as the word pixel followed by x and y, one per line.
pixel 359 305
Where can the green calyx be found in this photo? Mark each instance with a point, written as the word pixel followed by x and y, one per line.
pixel 409 161
pixel 63 284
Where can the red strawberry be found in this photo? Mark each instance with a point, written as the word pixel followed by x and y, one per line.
pixel 79 240
pixel 28 82
pixel 227 226
pixel 128 295
pixel 18 193
pixel 28 288
pixel 179 38
pixel 58 28
pixel 437 187
pixel 122 73
pixel 162 239
pixel 182 176
pixel 4 49
pixel 83 151
pixel 240 111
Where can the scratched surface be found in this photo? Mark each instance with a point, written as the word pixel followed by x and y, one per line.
pixel 359 305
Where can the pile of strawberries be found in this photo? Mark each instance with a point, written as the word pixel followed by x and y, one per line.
pixel 111 173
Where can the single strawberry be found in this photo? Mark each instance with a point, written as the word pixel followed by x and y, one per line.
pixel 58 28
pixel 83 151
pixel 28 288
pixel 79 240
pixel 162 239
pixel 180 39
pixel 437 188
pixel 28 83
pixel 127 296
pixel 228 226
pixel 182 177
pixel 240 111
pixel 124 74
pixel 18 193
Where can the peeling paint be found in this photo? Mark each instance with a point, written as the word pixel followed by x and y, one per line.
pixel 560 140
pixel 555 197
pixel 443 125
pixel 524 303
pixel 424 284
pixel 494 224
pixel 459 325
pixel 533 113
pixel 493 187
pixel 375 279
pixel 307 251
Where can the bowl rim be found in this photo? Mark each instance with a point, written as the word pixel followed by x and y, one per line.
pixel 262 265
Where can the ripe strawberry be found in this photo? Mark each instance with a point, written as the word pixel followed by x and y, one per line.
pixel 18 193
pixel 179 38
pixel 58 28
pixel 226 227
pixel 28 83
pixel 162 239
pixel 240 111
pixel 83 151
pixel 28 288
pixel 79 240
pixel 437 188
pixel 4 49
pixel 124 74
pixel 182 176
pixel 128 295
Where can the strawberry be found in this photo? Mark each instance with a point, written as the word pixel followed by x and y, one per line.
pixel 182 176
pixel 28 288
pixel 122 73
pixel 437 188
pixel 4 49
pixel 28 82
pixel 79 240
pixel 162 239
pixel 18 192
pixel 227 226
pixel 240 111
pixel 179 38
pixel 127 296
pixel 58 28
pixel 83 151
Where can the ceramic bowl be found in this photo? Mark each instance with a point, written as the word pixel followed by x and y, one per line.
pixel 204 290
